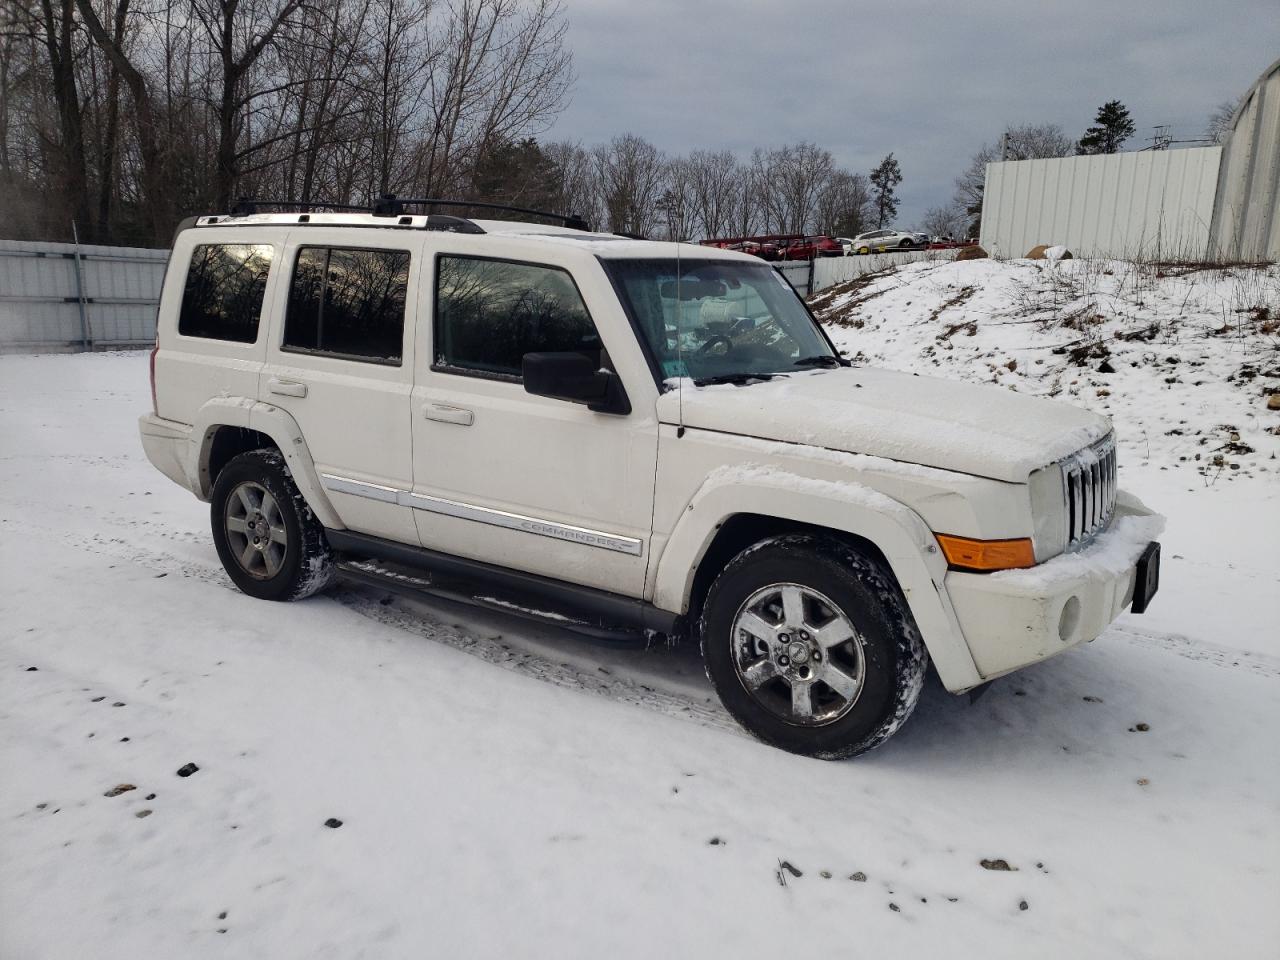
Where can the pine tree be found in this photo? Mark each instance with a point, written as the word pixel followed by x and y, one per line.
pixel 1111 127
pixel 884 200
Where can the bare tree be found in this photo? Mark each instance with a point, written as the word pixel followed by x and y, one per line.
pixel 1220 120
pixel 630 171
pixel 150 146
pixel 801 172
pixel 945 221
pixel 1026 142
pixel 715 187
pixel 503 72
pixel 844 205
pixel 576 187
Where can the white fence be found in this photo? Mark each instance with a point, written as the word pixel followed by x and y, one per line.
pixel 828 271
pixel 1155 204
pixel 61 296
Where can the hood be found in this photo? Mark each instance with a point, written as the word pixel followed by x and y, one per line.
pixel 986 431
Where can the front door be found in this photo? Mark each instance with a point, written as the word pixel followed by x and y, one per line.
pixel 531 483
pixel 340 360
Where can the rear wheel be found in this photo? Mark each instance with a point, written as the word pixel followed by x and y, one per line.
pixel 811 647
pixel 907 243
pixel 270 543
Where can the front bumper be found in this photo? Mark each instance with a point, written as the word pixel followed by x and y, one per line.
pixel 166 444
pixel 1018 617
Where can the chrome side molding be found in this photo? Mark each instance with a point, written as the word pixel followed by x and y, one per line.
pixel 496 518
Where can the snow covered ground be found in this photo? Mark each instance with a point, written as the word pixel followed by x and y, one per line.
pixel 508 790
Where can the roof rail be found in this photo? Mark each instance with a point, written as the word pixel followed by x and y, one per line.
pixel 244 206
pixel 389 205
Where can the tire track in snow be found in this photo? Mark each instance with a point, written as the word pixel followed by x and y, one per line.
pixel 1199 651
pixel 517 656
pixel 512 652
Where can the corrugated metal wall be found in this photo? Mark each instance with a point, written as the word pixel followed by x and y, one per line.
pixel 1246 217
pixel 1147 204
pixel 44 288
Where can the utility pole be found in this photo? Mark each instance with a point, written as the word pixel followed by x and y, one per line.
pixel 1004 147
pixel 1161 138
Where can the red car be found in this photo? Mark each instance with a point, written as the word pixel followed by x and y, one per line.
pixel 806 248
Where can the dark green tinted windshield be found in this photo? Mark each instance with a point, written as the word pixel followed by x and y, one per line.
pixel 718 318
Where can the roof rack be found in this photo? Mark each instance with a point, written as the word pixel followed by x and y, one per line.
pixel 244 206
pixel 389 205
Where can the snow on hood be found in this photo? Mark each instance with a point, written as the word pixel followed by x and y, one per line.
pixel 981 430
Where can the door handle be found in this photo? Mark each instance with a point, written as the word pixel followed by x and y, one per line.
pixel 447 414
pixel 287 388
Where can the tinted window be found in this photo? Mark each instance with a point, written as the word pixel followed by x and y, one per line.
pixel 490 313
pixel 223 296
pixel 349 303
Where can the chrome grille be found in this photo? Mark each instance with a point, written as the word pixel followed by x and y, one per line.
pixel 1089 485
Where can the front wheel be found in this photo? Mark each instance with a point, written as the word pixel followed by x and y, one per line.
pixel 811 646
pixel 270 543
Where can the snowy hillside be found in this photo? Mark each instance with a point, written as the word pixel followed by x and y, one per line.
pixel 1180 357
pixel 387 779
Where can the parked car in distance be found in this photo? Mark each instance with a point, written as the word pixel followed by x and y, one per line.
pixel 765 246
pixel 879 241
pixel 807 248
pixel 633 440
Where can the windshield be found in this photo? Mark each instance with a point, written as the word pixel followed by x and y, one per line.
pixel 723 320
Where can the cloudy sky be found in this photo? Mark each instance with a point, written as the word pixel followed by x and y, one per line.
pixel 930 81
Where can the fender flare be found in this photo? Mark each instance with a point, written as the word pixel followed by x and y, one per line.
pixel 277 424
pixel 846 506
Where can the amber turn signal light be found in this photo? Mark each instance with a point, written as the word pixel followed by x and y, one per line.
pixel 983 556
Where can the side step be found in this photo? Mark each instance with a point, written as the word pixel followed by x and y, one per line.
pixel 415 582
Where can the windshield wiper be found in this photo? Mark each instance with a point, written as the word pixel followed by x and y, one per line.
pixel 736 378
pixel 821 360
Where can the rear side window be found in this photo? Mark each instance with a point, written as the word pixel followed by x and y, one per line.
pixel 348 303
pixel 225 286
pixel 490 313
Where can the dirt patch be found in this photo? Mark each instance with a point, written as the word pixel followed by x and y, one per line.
pixel 957 299
pixel 1181 268
pixel 855 290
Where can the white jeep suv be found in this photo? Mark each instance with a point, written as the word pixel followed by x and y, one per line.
pixel 631 438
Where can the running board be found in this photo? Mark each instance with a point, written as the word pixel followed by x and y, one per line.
pixel 415 571
pixel 411 583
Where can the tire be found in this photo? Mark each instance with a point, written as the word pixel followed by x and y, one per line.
pixel 876 675
pixel 255 493
pixel 906 244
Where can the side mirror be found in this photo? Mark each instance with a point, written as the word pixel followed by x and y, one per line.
pixel 574 377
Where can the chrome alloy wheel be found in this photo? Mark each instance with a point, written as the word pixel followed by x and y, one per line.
pixel 255 530
pixel 798 655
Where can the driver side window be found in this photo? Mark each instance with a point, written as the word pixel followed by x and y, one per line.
pixel 490 313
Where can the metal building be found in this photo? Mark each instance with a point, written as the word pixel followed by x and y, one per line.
pixel 1246 211
pixel 1219 203
pixel 1151 204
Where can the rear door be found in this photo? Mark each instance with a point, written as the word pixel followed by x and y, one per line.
pixel 339 360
